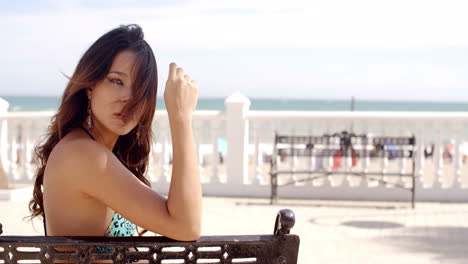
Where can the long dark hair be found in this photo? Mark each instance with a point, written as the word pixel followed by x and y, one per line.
pixel 131 149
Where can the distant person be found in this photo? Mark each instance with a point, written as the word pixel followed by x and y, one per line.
pixel 91 176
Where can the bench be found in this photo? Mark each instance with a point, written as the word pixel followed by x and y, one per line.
pixel 338 154
pixel 279 248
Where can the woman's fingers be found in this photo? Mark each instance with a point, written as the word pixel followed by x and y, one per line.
pixel 180 73
pixel 177 73
pixel 172 71
pixel 181 93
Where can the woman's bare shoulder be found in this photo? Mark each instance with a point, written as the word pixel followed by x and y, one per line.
pixel 77 149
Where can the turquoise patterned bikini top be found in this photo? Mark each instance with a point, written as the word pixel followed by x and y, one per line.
pixel 120 226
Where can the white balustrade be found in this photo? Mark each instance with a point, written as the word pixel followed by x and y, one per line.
pixel 234 149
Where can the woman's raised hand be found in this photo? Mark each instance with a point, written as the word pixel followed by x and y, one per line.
pixel 180 95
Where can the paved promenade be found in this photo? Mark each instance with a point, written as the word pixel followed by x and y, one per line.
pixel 330 232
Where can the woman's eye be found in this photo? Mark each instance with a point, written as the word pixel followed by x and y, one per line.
pixel 116 81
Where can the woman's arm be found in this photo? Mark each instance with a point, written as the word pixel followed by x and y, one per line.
pixel 184 200
pixel 90 168
pixel 185 195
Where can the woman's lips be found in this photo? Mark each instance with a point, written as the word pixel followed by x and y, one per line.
pixel 118 116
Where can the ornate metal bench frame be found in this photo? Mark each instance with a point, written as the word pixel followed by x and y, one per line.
pixel 320 147
pixel 279 248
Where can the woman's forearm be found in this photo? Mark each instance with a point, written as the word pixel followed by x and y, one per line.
pixel 185 196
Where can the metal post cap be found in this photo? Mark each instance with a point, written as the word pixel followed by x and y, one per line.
pixel 285 220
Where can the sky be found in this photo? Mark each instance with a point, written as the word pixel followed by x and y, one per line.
pixel 414 50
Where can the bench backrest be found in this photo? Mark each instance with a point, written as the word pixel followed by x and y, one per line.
pixel 281 247
pixel 350 145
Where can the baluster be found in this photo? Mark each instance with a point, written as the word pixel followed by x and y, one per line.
pixel 421 157
pixel 258 166
pixel 385 162
pixel 337 179
pixel 27 151
pixel 463 178
pixel 151 157
pixel 14 150
pixel 438 161
pixel 457 159
pixel 316 161
pixel 292 159
pixel 311 160
pixel 448 140
pixel 370 163
pixel 328 159
pixel 20 151
pixel 457 156
pixel 223 149
pixel 347 159
pixel 152 163
pixel 402 162
pixel 348 165
pixel 367 159
pixel 165 153
pixel 274 128
pixel 4 161
pixel 35 133
pixel 431 168
pixel 360 128
pixel 253 160
pixel 160 151
pixel 155 164
pixel 384 159
pixel 349 179
pixel 215 177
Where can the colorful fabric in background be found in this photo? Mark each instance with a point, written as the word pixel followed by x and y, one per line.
pixel 392 149
pixel 337 158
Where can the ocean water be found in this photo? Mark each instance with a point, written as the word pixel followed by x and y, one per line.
pixel 46 103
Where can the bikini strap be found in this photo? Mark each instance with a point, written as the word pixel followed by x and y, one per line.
pixel 87 132
pixel 44 222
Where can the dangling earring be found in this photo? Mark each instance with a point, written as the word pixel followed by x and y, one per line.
pixel 138 133
pixel 90 124
pixel 138 137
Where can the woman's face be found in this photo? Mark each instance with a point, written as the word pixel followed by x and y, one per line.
pixel 109 96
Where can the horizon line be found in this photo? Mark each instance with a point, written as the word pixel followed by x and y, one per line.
pixel 356 99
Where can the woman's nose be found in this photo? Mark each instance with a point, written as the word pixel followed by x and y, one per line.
pixel 126 95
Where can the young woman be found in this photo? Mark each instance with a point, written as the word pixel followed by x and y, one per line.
pixel 91 177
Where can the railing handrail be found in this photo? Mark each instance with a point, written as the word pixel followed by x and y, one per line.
pixel 258 115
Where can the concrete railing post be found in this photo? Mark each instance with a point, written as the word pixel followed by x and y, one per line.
pixel 237 106
pixel 3 144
